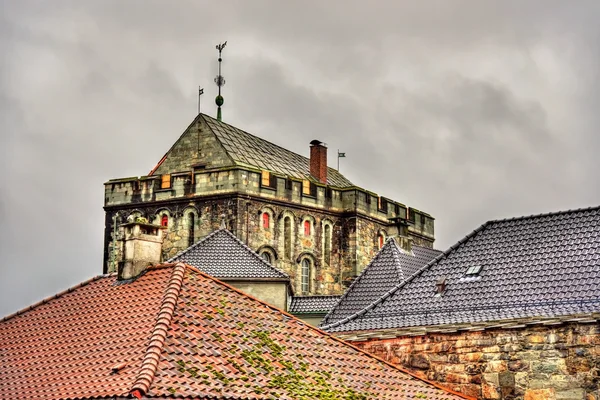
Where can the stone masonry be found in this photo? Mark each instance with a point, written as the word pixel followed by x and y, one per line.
pixel 197 186
pixel 560 362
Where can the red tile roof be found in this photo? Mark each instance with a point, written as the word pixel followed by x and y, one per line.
pixel 177 333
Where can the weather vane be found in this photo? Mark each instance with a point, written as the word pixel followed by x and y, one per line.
pixel 220 81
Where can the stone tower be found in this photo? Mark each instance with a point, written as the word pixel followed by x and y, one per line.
pixel 299 214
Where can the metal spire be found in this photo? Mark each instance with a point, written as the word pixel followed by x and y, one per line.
pixel 200 93
pixel 220 81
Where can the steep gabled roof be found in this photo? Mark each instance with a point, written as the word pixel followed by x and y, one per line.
pixel 313 304
pixel 176 332
pixel 66 347
pixel 544 265
pixel 391 266
pixel 224 256
pixel 247 150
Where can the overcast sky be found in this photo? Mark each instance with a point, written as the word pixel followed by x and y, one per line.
pixel 468 110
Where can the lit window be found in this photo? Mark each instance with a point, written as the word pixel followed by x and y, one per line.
pixel 380 240
pixel 306 187
pixel 265 220
pixel 306 228
pixel 164 221
pixel 165 182
pixel 265 178
pixel 305 276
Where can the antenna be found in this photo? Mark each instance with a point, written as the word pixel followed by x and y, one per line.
pixel 200 93
pixel 220 81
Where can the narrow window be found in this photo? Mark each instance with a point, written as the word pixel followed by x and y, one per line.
pixel 327 244
pixel 265 178
pixel 306 228
pixel 265 220
pixel 305 276
pixel 164 221
pixel 191 222
pixel 287 235
pixel 165 182
pixel 381 240
pixel 266 256
pixel 306 187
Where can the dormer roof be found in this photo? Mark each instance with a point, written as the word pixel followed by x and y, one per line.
pixel 224 256
pixel 391 266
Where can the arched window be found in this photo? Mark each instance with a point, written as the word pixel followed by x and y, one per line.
pixel 287 237
pixel 191 223
pixel 265 220
pixel 164 220
pixel 306 228
pixel 327 244
pixel 266 256
pixel 380 240
pixel 305 282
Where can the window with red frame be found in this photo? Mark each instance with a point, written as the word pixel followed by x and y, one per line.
pixel 306 228
pixel 265 220
pixel 381 240
pixel 164 221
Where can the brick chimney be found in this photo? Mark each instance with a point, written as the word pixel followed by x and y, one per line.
pixel 318 161
pixel 142 247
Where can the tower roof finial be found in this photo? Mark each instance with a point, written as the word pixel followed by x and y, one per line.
pixel 220 81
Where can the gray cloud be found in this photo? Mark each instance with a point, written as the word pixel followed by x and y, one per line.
pixel 467 110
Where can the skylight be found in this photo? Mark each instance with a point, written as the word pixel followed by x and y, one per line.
pixel 473 270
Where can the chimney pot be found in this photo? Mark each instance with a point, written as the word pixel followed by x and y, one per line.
pixel 318 160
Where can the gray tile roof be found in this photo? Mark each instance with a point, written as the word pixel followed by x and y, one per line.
pixel 248 150
pixel 224 256
pixel 312 304
pixel 537 266
pixel 389 267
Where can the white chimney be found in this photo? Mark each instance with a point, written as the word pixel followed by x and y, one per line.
pixel 142 247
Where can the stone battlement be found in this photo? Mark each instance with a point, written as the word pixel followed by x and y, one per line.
pixel 247 181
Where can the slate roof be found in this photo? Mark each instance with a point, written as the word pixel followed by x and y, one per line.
pixel 391 266
pixel 248 150
pixel 544 265
pixel 224 256
pixel 175 332
pixel 313 304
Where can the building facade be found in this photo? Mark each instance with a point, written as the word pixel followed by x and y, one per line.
pixel 512 311
pixel 302 216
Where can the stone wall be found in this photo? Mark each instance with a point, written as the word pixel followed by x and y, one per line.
pixel 197 144
pixel 273 293
pixel 353 242
pixel 534 363
pixel 198 178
